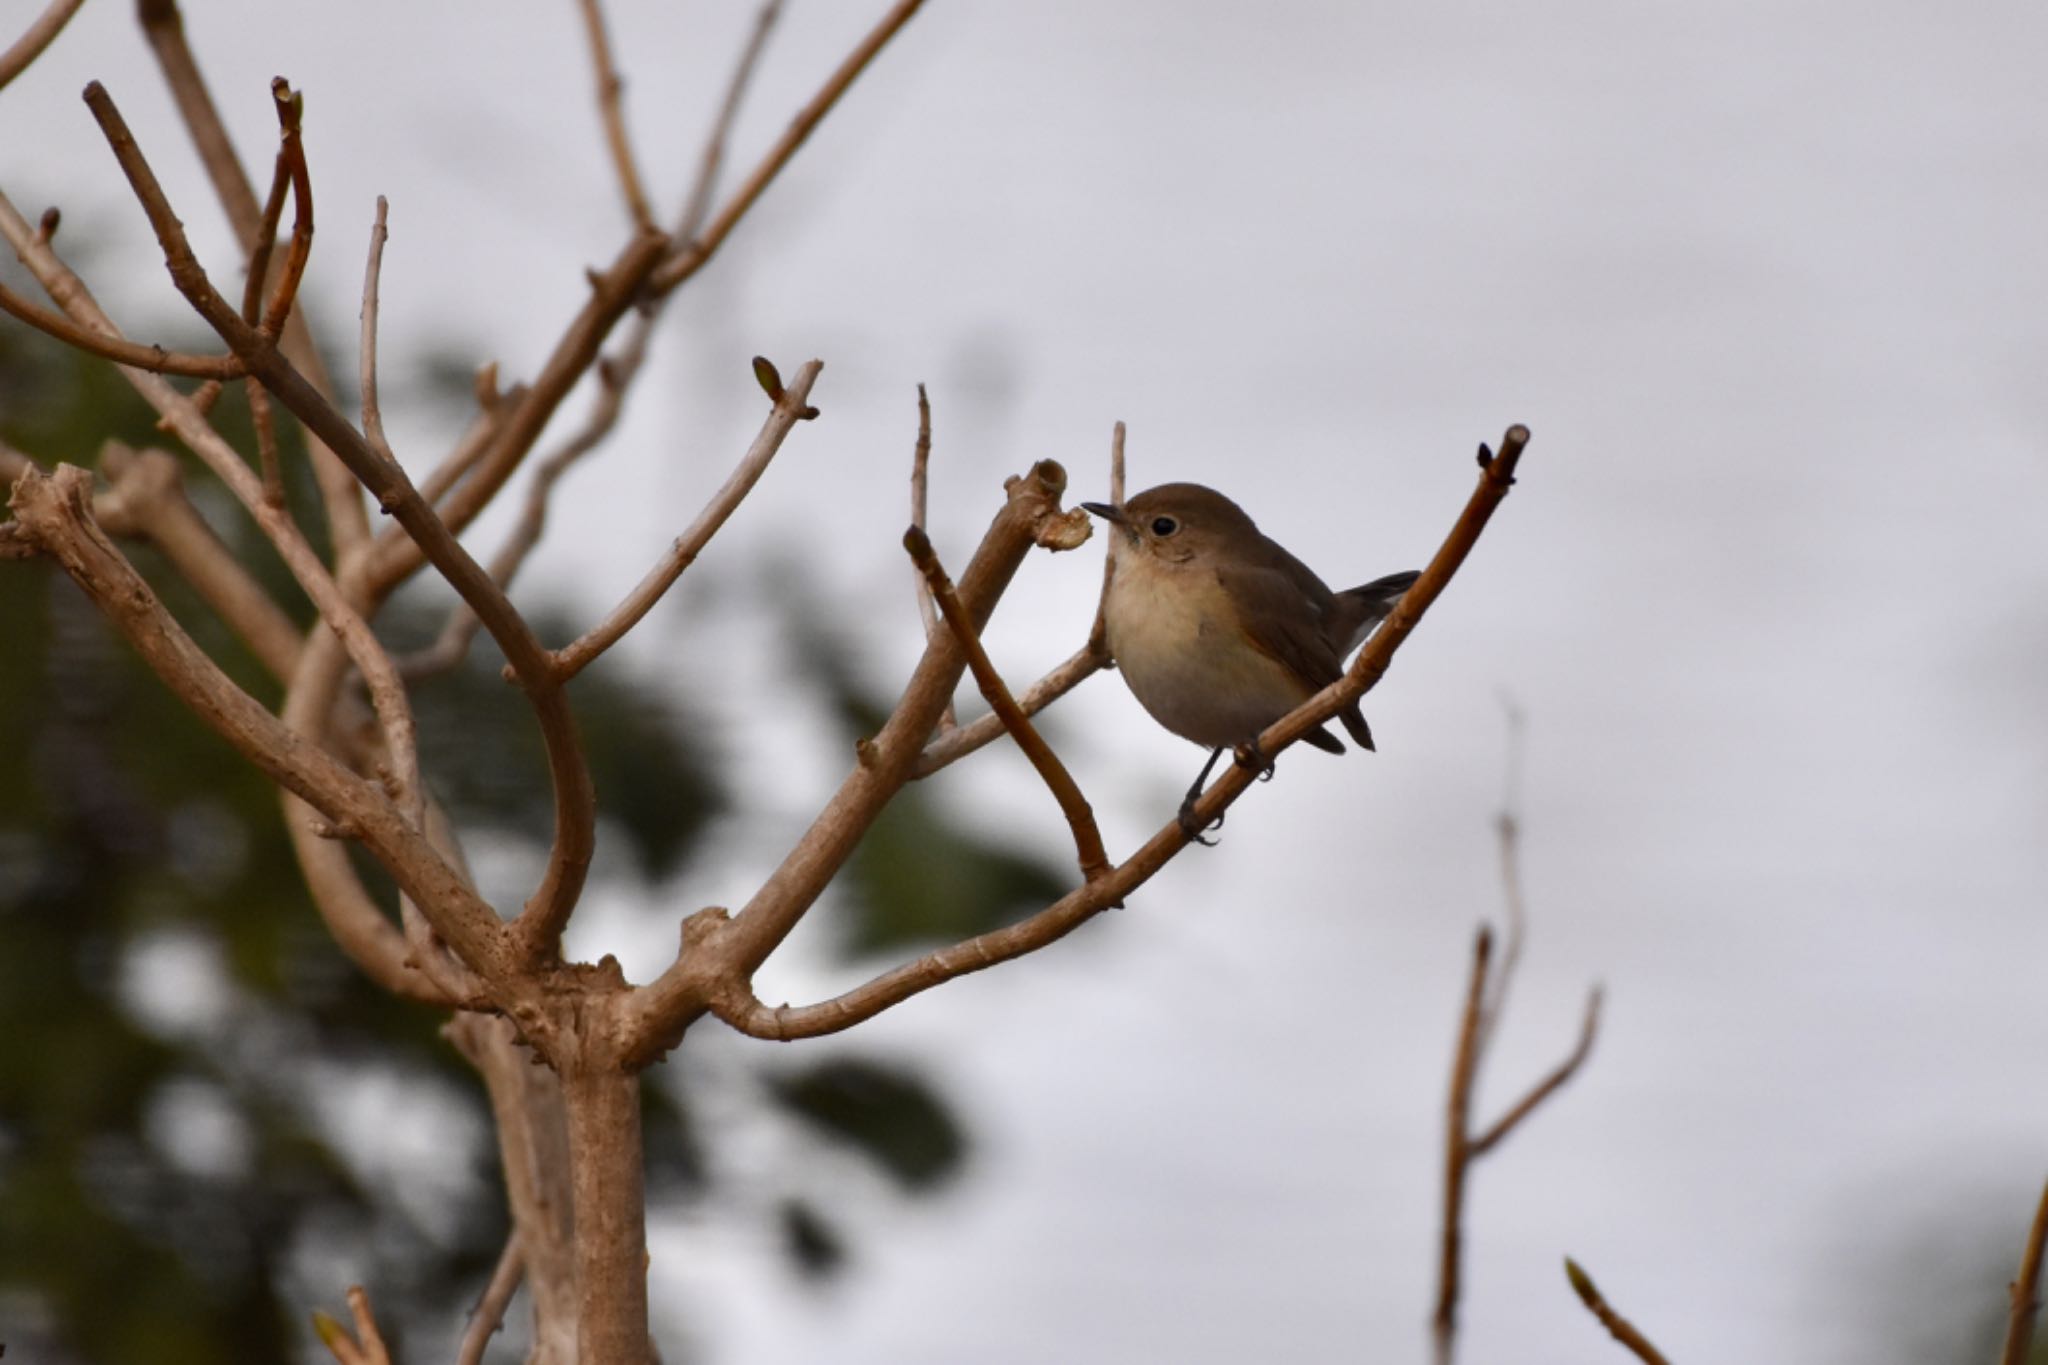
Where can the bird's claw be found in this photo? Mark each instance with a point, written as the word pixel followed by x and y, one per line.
pixel 1252 756
pixel 1193 828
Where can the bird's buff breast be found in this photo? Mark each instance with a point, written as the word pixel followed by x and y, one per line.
pixel 1176 640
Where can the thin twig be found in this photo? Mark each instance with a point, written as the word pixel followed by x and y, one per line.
pixel 475 439
pixel 1485 992
pixel 120 350
pixel 790 407
pixel 366 339
pixel 950 746
pixel 1589 1028
pixel 1508 827
pixel 920 462
pixel 268 458
pixel 1622 1329
pixel 291 150
pixel 953 743
pixel 920 466
pixel 1087 838
pixel 698 203
pixel 347 522
pixel 2025 1291
pixel 689 260
pixel 366 1346
pixel 252 302
pixel 1098 633
pixel 1457 1154
pixel 146 491
pixel 609 109
pixel 35 38
pixel 489 1314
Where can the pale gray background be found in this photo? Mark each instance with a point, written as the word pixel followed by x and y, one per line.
pixel 1766 281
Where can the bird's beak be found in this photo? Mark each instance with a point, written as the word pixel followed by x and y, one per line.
pixel 1113 515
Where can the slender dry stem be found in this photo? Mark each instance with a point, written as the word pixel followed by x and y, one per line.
pixel 138 355
pixel 610 109
pixel 2025 1291
pixel 366 337
pixel 698 204
pixel 38 35
pixel 1457 1155
pixel 790 407
pixel 692 258
pixel 575 801
pixel 1080 817
pixel 489 1314
pixel 1622 1329
pixel 949 746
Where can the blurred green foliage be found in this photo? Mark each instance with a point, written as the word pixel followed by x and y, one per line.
pixel 188 1068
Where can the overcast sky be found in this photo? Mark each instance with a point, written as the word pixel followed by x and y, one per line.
pixel 1766 282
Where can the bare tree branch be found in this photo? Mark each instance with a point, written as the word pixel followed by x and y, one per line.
pixel 791 406
pixel 615 376
pixel 714 963
pixel 37 36
pixel 1589 1028
pixel 2025 1291
pixel 698 204
pixel 609 87
pixel 692 258
pixel 1080 817
pixel 386 690
pixel 719 957
pixel 140 355
pixel 1622 1329
pixel 1508 828
pixel 575 802
pixel 1485 994
pixel 164 28
pixel 1098 633
pixel 614 291
pixel 955 744
pixel 1457 1155
pixel 147 492
pixel 366 338
pixel 291 153
pixel 489 1314
pixel 366 1346
pixel 53 510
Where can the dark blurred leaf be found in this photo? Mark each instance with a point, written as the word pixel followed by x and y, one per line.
pixel 810 1239
pixel 890 1114
pixel 920 877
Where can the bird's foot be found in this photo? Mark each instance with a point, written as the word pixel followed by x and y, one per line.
pixel 1194 828
pixel 1250 755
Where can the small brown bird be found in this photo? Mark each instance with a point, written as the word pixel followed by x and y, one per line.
pixel 1219 631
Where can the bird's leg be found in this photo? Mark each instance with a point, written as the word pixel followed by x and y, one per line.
pixel 1186 817
pixel 1250 755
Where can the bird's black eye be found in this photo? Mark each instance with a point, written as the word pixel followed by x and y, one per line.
pixel 1164 526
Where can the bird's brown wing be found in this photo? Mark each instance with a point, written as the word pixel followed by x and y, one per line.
pixel 1284 610
pixel 1284 618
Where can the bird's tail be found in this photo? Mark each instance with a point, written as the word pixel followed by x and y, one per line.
pixel 1365 606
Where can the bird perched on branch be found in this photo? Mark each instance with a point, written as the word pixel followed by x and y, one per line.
pixel 1219 631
